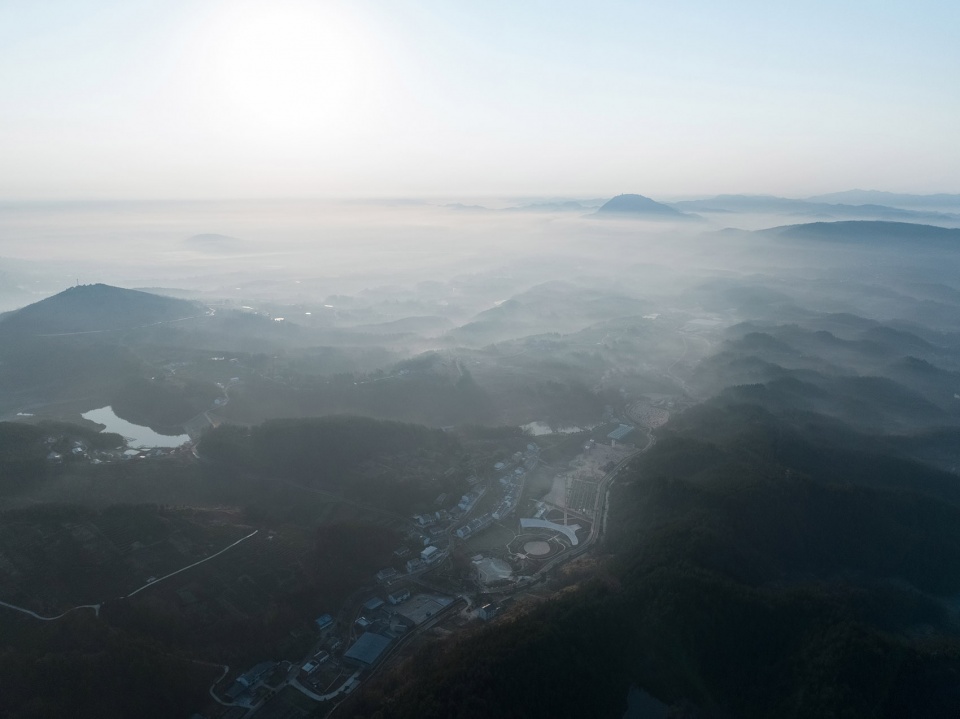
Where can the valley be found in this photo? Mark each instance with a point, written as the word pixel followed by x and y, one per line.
pixel 289 508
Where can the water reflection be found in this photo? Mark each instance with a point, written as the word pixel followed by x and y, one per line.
pixel 136 435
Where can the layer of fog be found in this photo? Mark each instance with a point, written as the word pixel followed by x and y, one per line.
pixel 305 251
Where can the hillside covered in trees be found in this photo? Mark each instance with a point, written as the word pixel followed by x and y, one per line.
pixel 391 465
pixel 763 565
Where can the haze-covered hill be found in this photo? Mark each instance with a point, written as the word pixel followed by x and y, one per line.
pixel 77 345
pixel 548 307
pixel 640 207
pixel 769 204
pixel 897 199
pixel 94 308
pixel 870 375
pixel 906 235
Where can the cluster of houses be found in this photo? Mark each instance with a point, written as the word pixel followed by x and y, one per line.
pixel 242 690
pixel 428 556
pixel 434 523
pixel 80 450
pixel 384 621
pixel 511 486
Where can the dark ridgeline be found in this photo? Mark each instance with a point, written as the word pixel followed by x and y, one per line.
pixel 94 308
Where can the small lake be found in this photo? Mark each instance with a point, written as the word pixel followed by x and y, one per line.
pixel 136 435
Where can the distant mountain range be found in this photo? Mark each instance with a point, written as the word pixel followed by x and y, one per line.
pixel 813 207
pixel 896 199
pixel 853 204
pixel 94 308
pixel 873 233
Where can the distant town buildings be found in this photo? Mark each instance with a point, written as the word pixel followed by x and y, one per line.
pixel 248 679
pixel 399 596
pixel 373 604
pixel 491 569
pixel 387 575
pixel 619 434
pixel 324 621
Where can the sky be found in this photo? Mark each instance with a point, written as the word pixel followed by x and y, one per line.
pixel 195 99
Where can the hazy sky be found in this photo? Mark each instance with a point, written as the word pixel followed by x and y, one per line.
pixel 199 98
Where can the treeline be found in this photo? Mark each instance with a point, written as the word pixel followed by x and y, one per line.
pixel 763 566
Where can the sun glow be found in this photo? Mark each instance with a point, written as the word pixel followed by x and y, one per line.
pixel 292 67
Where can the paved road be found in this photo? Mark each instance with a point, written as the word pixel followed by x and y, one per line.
pixel 94 607
pixel 189 566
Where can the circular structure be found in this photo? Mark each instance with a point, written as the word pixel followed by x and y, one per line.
pixel 536 548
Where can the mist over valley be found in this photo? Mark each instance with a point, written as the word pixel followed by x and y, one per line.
pixel 317 394
pixel 449 360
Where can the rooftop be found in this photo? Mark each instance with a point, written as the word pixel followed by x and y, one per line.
pixel 491 569
pixel 368 648
pixel 620 432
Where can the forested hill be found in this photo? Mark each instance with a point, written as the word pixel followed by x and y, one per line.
pixel 764 565
pixel 346 454
pixel 94 308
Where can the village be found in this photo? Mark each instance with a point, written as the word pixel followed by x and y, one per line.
pixel 463 563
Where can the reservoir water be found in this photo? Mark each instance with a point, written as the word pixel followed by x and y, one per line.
pixel 136 435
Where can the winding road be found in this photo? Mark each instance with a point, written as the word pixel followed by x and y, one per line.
pixel 96 607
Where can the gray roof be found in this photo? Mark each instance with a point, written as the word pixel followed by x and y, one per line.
pixel 620 432
pixel 368 648
pixel 253 675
